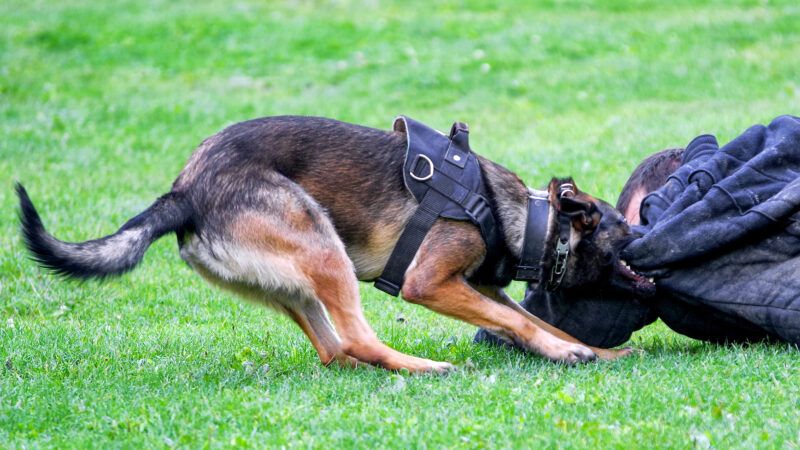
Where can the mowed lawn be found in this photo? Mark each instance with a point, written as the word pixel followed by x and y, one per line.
pixel 101 103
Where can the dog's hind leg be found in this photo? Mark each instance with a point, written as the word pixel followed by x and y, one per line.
pixel 310 317
pixel 336 286
pixel 332 278
pixel 306 311
pixel 286 247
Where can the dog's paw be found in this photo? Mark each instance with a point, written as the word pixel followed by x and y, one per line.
pixel 610 354
pixel 580 353
pixel 569 353
pixel 440 368
pixel 345 361
pixel 415 365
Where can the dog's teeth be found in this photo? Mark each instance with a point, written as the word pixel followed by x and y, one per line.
pixel 624 263
pixel 652 280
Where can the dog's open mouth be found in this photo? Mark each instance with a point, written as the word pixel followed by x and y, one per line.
pixel 637 282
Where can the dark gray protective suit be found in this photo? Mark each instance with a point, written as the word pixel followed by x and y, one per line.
pixel 722 237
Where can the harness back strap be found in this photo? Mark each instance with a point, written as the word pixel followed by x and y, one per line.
pixel 444 176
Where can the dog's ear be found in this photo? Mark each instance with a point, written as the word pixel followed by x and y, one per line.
pixel 581 207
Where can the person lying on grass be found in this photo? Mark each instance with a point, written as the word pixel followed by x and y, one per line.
pixel 720 232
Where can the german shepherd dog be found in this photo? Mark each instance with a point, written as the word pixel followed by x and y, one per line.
pixel 292 211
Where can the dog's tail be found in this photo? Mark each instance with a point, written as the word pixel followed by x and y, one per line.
pixel 110 255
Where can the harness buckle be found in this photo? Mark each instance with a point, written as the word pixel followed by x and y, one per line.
pixel 414 165
pixel 477 208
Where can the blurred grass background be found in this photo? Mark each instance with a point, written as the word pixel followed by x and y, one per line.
pixel 101 103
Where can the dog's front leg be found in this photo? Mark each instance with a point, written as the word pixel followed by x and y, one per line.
pixel 436 281
pixel 497 294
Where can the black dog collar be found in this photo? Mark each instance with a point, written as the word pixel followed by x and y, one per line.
pixel 533 245
pixel 530 264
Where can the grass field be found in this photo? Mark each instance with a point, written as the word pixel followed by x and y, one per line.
pixel 101 103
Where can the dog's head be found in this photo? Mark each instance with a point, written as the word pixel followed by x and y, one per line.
pixel 598 234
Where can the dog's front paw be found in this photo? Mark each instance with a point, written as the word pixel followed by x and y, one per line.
pixel 579 353
pixel 430 367
pixel 569 353
pixel 442 367
pixel 612 354
pixel 422 365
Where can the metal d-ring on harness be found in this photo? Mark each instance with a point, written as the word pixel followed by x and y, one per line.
pixel 430 168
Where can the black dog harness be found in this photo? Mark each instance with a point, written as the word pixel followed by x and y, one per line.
pixel 444 176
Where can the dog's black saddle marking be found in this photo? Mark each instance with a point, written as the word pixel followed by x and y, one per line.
pixel 445 178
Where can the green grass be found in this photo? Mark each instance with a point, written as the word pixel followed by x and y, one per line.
pixel 101 103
